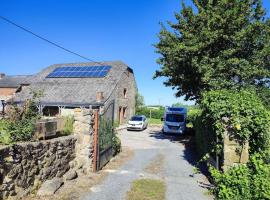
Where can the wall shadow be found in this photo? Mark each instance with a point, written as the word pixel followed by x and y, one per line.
pixel 190 151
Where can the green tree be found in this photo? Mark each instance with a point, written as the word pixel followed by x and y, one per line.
pixel 264 94
pixel 220 44
pixel 139 101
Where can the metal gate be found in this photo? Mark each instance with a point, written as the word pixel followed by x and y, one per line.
pixel 105 131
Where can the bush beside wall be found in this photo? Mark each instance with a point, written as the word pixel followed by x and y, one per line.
pixel 241 113
pixel 245 118
pixel 116 145
pixel 204 136
pixel 249 182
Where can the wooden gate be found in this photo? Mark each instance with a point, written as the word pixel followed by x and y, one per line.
pixel 104 130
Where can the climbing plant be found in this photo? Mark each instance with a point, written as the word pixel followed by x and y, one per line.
pixel 241 113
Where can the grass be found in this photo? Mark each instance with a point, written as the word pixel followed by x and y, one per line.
pixel 155 121
pixel 147 189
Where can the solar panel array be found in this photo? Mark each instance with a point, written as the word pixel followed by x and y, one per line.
pixel 80 72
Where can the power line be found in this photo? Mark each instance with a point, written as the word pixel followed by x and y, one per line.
pixel 46 40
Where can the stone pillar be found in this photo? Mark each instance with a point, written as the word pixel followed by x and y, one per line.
pixel 83 130
pixel 234 153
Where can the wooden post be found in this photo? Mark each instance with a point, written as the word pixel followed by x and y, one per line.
pixel 95 159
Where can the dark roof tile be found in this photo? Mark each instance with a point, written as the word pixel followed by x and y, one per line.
pixel 73 90
pixel 13 81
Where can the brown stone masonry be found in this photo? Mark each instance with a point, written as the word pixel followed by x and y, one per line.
pixel 24 166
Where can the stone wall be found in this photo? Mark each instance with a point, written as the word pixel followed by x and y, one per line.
pixel 84 132
pixel 24 166
pixel 128 83
pixel 233 152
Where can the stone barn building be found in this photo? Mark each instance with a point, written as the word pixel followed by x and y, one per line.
pixel 9 86
pixel 95 94
pixel 66 88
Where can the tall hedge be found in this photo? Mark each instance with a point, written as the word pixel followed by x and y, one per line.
pixel 241 112
pixel 246 117
pixel 155 113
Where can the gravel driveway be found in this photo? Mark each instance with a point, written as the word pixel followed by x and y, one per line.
pixel 168 158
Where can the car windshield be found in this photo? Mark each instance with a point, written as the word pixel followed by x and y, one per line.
pixel 174 118
pixel 136 118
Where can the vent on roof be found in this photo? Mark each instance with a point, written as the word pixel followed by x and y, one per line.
pixel 80 72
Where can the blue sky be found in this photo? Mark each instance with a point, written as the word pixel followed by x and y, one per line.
pixel 99 29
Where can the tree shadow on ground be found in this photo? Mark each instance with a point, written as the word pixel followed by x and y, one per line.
pixel 190 152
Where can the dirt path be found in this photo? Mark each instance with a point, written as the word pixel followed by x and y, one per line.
pixel 156 156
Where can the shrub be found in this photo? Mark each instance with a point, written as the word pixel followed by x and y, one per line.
pixel 192 115
pixel 155 113
pixel 116 145
pixel 21 130
pixel 264 94
pixel 68 126
pixel 244 116
pixel 14 131
pixel 19 125
pixel 241 113
pixel 204 136
pixel 116 123
pixel 250 182
pixel 5 137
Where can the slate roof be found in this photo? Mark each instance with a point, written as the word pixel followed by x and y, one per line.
pixel 13 81
pixel 73 91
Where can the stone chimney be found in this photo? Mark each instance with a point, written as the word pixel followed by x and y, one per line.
pixel 2 75
pixel 99 96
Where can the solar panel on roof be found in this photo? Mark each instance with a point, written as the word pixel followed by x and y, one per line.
pixel 80 72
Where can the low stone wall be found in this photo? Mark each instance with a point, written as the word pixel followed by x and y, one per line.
pixel 24 166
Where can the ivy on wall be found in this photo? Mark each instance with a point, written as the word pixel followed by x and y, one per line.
pixel 245 117
pixel 241 113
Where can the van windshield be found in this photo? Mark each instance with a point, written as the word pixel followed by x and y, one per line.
pixel 136 118
pixel 174 118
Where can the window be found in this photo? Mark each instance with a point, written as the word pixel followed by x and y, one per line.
pixel 125 93
pixel 124 113
pixel 175 118
pixel 51 111
pixel 120 115
pixel 136 118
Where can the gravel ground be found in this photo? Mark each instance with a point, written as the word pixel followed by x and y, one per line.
pixel 178 159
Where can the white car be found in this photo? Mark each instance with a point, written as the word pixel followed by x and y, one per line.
pixel 137 122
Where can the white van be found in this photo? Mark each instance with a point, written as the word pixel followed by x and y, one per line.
pixel 174 120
